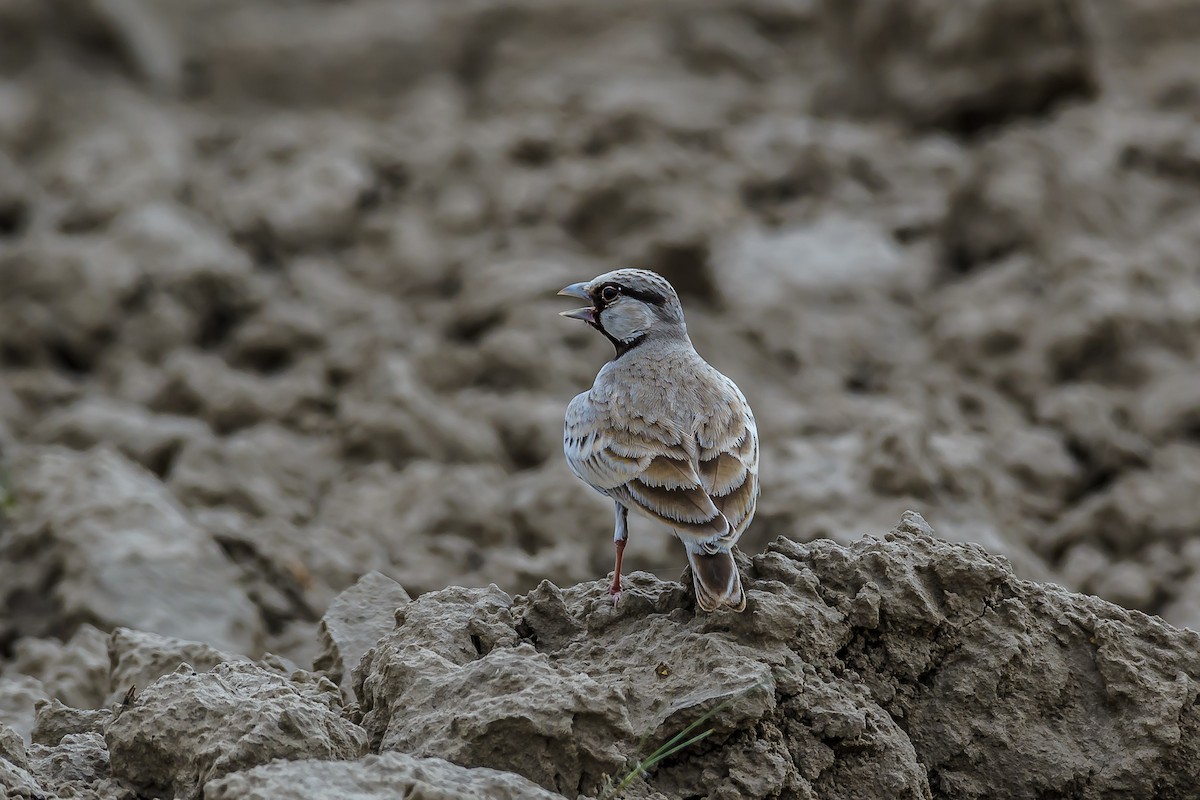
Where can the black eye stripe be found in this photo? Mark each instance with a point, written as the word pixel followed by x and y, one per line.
pixel 646 297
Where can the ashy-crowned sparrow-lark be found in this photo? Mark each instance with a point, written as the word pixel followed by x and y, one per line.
pixel 663 433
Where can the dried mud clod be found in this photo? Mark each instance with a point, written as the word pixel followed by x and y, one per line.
pixel 277 313
pixel 856 671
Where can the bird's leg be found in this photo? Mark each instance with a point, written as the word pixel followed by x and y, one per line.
pixel 620 536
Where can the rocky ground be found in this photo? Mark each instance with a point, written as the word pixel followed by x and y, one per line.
pixel 277 312
pixel 896 667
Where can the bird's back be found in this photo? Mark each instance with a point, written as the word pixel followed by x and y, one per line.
pixel 670 385
pixel 663 398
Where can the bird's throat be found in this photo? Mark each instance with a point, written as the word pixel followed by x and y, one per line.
pixel 623 347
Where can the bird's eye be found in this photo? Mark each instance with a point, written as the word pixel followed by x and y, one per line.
pixel 609 293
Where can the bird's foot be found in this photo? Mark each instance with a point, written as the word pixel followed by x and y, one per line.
pixel 614 592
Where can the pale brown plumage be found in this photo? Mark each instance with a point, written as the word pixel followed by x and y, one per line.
pixel 663 433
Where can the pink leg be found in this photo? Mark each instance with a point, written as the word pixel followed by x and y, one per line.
pixel 620 537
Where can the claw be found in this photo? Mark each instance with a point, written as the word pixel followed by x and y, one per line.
pixel 614 589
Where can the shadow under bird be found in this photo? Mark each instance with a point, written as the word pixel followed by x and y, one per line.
pixel 663 433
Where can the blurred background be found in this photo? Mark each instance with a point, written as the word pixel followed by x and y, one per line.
pixel 277 288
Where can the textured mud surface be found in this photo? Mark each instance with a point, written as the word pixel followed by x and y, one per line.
pixel 277 311
pixel 899 666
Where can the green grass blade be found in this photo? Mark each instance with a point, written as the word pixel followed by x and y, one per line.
pixel 676 743
pixel 660 754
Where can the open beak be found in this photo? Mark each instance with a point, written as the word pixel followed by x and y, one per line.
pixel 578 290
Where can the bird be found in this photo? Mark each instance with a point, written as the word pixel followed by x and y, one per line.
pixel 663 433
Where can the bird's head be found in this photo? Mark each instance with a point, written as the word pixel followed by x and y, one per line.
pixel 628 306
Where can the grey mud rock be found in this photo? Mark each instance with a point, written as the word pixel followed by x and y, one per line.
pixel 355 621
pixel 138 658
pixel 330 328
pixel 16 780
pixel 309 300
pixel 12 749
pixel 115 548
pixel 78 761
pixel 377 777
pixel 896 667
pixel 151 440
pixel 75 671
pixel 18 696
pixel 957 66
pixel 54 721
pixel 188 728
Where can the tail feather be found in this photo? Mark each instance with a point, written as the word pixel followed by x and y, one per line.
pixel 716 580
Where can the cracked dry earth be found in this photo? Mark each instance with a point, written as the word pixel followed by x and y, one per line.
pixel 900 666
pixel 279 355
pixel 896 667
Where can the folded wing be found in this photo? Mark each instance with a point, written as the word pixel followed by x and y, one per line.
pixel 728 469
pixel 651 471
